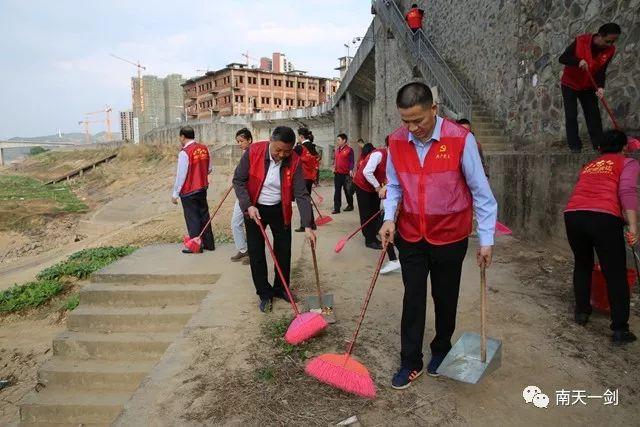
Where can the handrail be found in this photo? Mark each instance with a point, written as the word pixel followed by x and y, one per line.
pixel 435 69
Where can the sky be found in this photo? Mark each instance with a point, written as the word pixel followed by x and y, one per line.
pixel 55 61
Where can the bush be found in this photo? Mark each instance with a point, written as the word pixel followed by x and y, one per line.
pixel 81 264
pixel 37 150
pixel 32 294
pixel 72 302
pixel 326 174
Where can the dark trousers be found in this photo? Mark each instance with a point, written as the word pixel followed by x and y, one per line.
pixel 445 265
pixel 273 218
pixel 368 205
pixel 603 232
pixel 309 183
pixel 589 102
pixel 196 215
pixel 340 184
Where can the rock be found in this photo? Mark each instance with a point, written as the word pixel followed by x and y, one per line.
pixel 559 258
pixel 351 421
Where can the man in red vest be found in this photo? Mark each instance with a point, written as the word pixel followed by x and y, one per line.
pixel 342 173
pixel 267 180
pixel 588 54
pixel 434 171
pixel 310 159
pixel 414 17
pixel 194 166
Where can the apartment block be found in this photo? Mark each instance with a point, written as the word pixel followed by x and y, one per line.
pixel 126 126
pixel 160 103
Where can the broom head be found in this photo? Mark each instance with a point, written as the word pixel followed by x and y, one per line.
pixel 633 143
pixel 502 230
pixel 343 372
pixel 194 245
pixel 340 245
pixel 305 326
pixel 323 220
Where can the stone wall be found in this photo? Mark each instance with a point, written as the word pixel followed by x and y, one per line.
pixel 507 53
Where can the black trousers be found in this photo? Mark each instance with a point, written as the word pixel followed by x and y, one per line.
pixel 589 102
pixel 196 215
pixel 445 265
pixel 340 184
pixel 309 183
pixel 273 218
pixel 603 232
pixel 368 205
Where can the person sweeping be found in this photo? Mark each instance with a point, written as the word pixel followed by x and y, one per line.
pixel 244 140
pixel 267 180
pixel 594 218
pixel 309 158
pixel 434 170
pixel 191 184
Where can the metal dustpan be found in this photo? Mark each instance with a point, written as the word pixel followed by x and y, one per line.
pixel 473 356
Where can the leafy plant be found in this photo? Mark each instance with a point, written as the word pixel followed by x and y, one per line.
pixel 32 294
pixel 72 302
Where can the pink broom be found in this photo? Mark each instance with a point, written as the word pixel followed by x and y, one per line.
pixel 502 230
pixel 322 219
pixel 304 325
pixel 195 244
pixel 344 241
pixel 342 370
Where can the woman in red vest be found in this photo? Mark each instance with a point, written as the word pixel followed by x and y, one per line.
pixel 589 53
pixel 595 217
pixel 192 182
pixel 310 159
pixel 267 180
pixel 414 17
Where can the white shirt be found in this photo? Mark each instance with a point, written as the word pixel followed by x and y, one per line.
pixel 271 193
pixel 374 160
pixel 183 168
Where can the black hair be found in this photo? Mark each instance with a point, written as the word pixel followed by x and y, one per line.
pixel 343 136
pixel 245 133
pixel 463 122
pixel 613 141
pixel 284 134
pixel 609 28
pixel 187 132
pixel 311 147
pixel 414 93
pixel 386 141
pixel 360 140
pixel 368 148
pixel 310 137
pixel 414 5
pixel 304 132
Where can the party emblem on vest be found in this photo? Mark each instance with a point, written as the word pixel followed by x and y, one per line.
pixel 442 153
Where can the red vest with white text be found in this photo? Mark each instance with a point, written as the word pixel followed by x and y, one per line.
pixel 342 159
pixel 597 187
pixel 198 172
pixel 380 172
pixel 310 164
pixel 578 79
pixel 258 173
pixel 436 202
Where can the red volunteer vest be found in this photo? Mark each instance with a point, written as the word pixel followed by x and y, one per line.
pixel 310 164
pixel 573 76
pixel 597 187
pixel 436 202
pixel 258 173
pixel 342 160
pixel 198 172
pixel 414 18
pixel 380 173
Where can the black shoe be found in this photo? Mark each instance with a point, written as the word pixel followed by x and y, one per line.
pixel 266 304
pixel 187 251
pixel 404 377
pixel 348 208
pixel 335 211
pixel 299 230
pixel 282 294
pixel 623 337
pixel 374 245
pixel 314 227
pixel 434 364
pixel 581 318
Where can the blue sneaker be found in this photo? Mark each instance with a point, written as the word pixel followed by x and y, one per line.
pixel 404 378
pixel 265 305
pixel 434 364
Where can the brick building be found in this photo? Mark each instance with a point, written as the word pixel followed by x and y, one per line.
pixel 238 89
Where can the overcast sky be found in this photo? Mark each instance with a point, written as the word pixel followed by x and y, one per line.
pixel 55 62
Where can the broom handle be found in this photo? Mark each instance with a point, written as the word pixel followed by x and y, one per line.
pixel 483 313
pixel 315 268
pixel 635 261
pixel 604 102
pixel 277 265
pixel 314 205
pixel 217 209
pixel 383 253
pixel 365 224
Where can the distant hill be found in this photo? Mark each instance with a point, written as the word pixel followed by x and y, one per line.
pixel 77 137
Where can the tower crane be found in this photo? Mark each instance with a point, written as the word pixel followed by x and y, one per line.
pixel 140 84
pixel 246 55
pixel 107 119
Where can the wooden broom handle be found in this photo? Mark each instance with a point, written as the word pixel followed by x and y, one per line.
pixel 315 268
pixel 483 313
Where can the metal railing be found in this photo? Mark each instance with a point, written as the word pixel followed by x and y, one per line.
pixel 435 69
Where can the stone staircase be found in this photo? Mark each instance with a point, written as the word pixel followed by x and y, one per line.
pixel 488 132
pixel 115 336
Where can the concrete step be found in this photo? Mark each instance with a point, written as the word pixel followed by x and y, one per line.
pixel 487 133
pixel 155 279
pixel 142 295
pixel 502 146
pixel 59 406
pixel 72 374
pixel 130 319
pixel 492 140
pixel 115 346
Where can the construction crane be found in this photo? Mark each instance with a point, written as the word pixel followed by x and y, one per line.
pixel 107 119
pixel 140 84
pixel 246 55
pixel 85 127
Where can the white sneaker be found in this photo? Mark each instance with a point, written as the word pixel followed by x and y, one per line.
pixel 390 266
